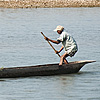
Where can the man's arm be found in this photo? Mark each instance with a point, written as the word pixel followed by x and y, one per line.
pixel 56 42
pixel 59 50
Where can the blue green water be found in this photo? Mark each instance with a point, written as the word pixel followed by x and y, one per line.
pixel 21 44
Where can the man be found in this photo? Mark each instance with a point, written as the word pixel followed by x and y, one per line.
pixel 68 43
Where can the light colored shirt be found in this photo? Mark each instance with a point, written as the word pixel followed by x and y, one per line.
pixel 68 42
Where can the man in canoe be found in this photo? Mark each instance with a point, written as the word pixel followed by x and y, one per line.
pixel 68 43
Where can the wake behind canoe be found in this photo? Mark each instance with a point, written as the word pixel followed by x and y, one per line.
pixel 43 70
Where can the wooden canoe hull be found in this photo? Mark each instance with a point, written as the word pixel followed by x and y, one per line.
pixel 43 70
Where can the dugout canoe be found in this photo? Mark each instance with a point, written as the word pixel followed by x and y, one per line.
pixel 43 70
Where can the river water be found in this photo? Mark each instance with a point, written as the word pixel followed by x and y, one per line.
pixel 21 44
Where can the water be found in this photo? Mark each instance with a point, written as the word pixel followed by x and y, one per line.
pixel 21 44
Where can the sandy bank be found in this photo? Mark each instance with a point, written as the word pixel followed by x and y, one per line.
pixel 48 3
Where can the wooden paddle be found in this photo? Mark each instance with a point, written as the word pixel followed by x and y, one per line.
pixel 53 47
pixel 50 44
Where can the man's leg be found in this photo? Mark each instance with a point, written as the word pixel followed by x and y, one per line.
pixel 62 58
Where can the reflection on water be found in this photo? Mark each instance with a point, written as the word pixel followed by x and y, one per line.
pixel 22 44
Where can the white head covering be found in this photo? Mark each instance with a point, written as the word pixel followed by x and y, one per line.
pixel 59 27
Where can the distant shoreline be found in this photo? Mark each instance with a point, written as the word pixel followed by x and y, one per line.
pixel 48 3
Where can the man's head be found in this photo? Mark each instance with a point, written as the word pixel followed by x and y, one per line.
pixel 59 29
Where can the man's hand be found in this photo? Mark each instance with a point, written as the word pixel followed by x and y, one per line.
pixel 46 38
pixel 56 52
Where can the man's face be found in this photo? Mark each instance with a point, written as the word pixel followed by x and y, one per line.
pixel 59 32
